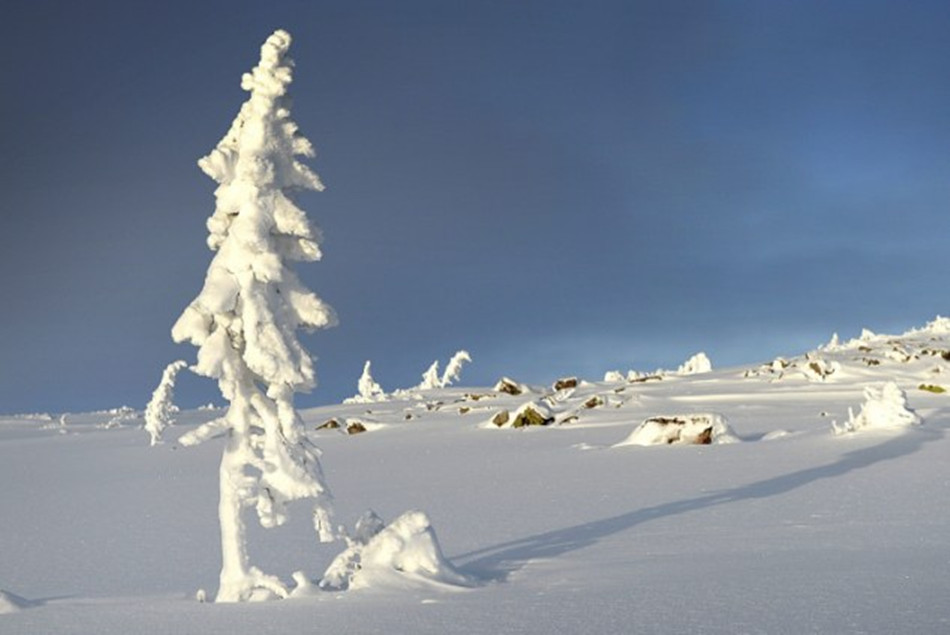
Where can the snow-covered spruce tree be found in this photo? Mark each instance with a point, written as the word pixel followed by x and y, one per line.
pixel 161 407
pixel 245 318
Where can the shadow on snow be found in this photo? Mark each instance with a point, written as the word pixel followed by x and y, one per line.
pixel 498 561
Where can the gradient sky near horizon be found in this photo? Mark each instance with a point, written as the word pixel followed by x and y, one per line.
pixel 558 187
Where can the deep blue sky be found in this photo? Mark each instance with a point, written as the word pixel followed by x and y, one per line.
pixel 559 187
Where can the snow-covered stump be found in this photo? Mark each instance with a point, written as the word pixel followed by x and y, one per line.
pixel 245 318
pixel 884 408
pixel 687 429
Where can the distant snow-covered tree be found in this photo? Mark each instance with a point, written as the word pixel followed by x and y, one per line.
pixel 245 318
pixel 368 390
pixel 161 407
pixel 430 378
pixel 454 369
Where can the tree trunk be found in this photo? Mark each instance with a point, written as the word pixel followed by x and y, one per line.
pixel 236 581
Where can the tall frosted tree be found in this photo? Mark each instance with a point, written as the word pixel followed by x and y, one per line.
pixel 246 317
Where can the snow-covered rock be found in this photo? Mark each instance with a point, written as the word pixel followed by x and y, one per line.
pixel 689 429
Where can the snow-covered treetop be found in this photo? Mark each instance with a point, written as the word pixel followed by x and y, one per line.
pixel 252 302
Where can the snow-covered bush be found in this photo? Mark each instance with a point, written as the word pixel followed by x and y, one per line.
pixel 245 318
pixel 161 407
pixel 698 363
pixel 884 407
pixel 405 552
pixel 690 429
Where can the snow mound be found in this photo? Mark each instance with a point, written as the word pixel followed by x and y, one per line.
pixel 404 553
pixel 11 603
pixel 691 429
pixel 884 408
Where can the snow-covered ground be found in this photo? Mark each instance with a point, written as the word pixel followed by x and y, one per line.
pixel 778 525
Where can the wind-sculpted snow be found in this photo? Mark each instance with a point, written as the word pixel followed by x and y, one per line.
pixel 795 529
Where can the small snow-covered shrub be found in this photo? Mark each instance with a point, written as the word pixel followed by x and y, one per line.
pixel 691 429
pixel 404 552
pixel 698 363
pixel 884 408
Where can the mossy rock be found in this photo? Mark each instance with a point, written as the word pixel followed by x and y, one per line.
pixel 329 424
pixel 355 427
pixel 932 388
pixel 530 417
pixel 508 386
pixel 565 382
pixel 594 402
pixel 646 378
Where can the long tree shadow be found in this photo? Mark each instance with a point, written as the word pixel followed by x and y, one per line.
pixel 498 561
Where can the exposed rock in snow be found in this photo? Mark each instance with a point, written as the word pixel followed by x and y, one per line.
pixel 532 413
pixel 818 369
pixel 884 408
pixel 690 429
pixel 509 386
